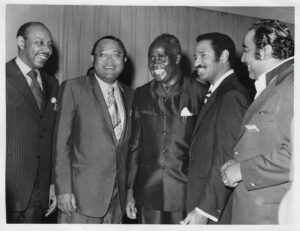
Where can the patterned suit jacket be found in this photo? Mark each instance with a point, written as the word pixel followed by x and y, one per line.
pixel 29 133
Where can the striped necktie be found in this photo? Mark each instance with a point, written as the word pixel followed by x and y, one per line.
pixel 35 87
pixel 114 112
pixel 208 94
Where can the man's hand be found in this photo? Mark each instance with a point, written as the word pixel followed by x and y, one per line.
pixel 52 201
pixel 194 217
pixel 130 205
pixel 231 173
pixel 66 203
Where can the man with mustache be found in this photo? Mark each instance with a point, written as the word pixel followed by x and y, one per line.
pixel 163 118
pixel 216 129
pixel 262 156
pixel 30 116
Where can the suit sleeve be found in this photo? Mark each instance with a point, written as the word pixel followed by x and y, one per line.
pixel 273 168
pixel 63 140
pixel 134 144
pixel 230 115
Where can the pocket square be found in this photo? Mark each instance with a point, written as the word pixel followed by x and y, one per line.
pixel 185 112
pixel 252 127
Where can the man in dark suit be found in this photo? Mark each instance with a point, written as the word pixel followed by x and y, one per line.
pixel 260 169
pixel 91 140
pixel 216 129
pixel 164 115
pixel 30 117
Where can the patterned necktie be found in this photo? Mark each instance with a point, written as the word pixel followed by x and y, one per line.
pixel 35 87
pixel 114 113
pixel 208 94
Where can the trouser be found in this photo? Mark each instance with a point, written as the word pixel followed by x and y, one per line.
pixel 152 216
pixel 34 213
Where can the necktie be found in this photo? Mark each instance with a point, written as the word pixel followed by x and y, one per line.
pixel 208 94
pixel 114 113
pixel 35 87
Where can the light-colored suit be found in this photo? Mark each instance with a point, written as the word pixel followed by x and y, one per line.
pixel 264 150
pixel 88 160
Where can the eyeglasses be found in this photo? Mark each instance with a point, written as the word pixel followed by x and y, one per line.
pixel 105 55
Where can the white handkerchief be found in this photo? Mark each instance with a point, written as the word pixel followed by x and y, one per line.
pixel 251 127
pixel 186 112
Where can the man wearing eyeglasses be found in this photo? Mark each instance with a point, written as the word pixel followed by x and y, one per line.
pixel 164 115
pixel 91 140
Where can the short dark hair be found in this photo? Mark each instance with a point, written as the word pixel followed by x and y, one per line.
pixel 276 34
pixel 23 30
pixel 111 37
pixel 219 43
pixel 171 39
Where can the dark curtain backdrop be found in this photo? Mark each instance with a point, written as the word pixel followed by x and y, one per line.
pixel 76 28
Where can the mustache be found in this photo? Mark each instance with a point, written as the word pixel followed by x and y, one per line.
pixel 200 66
pixel 47 54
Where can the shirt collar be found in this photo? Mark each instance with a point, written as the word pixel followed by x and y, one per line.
pixel 263 75
pixel 23 66
pixel 214 86
pixel 104 86
pixel 261 82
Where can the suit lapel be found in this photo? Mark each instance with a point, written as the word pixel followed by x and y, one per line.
pixel 270 90
pixel 17 79
pixel 125 101
pixel 100 99
pixel 205 108
pixel 210 102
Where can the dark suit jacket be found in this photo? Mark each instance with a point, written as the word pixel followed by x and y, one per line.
pixel 88 160
pixel 264 150
pixel 213 139
pixel 28 137
pixel 160 143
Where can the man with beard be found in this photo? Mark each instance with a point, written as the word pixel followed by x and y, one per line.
pixel 262 155
pixel 30 116
pixel 163 118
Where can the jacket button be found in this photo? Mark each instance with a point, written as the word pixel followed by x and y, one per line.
pixel 165 133
pixel 236 153
pixel 165 116
pixel 252 184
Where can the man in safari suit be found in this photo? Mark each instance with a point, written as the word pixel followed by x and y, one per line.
pixel 164 115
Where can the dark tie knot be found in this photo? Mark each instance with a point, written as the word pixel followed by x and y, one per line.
pixel 208 94
pixel 32 74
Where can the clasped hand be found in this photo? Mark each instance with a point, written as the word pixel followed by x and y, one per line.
pixel 231 173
